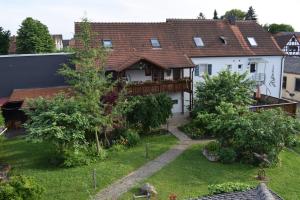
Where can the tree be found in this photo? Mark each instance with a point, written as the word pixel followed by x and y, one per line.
pixel 250 15
pixel 237 13
pixel 4 41
pixel 215 15
pixel 247 132
pixel 275 28
pixel 225 87
pixel 34 37
pixel 201 16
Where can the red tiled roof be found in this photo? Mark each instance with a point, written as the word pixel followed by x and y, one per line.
pixel 131 41
pixel 3 101
pixel 32 93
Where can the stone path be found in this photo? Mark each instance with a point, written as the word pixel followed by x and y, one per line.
pixel 121 186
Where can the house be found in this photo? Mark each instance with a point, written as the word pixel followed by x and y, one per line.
pixel 289 42
pixel 58 41
pixel 291 78
pixel 27 76
pixel 172 56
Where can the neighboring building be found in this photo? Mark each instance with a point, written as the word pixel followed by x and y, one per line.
pixel 291 78
pixel 289 43
pixel 69 43
pixel 261 192
pixel 58 40
pixel 167 52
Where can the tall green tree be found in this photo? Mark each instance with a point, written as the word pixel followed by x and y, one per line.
pixel 4 41
pixel 250 15
pixel 34 37
pixel 237 13
pixel 215 15
pixel 225 87
pixel 275 28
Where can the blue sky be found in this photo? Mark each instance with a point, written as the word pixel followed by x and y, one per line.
pixel 59 15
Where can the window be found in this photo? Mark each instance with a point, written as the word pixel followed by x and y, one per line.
pixel 252 41
pixel 107 43
pixel 175 101
pixel 293 39
pixel 223 39
pixel 240 67
pixel 252 67
pixel 293 48
pixel 297 84
pixel 147 71
pixel 168 72
pixel 284 82
pixel 198 42
pixel 155 43
pixel 203 68
pixel 229 67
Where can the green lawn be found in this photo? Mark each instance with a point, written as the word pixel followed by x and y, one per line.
pixel 190 174
pixel 76 183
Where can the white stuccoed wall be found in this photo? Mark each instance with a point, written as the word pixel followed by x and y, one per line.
pixel 220 63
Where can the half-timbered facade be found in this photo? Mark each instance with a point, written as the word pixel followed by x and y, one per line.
pixel 289 43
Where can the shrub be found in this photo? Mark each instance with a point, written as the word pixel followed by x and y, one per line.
pixel 149 111
pixel 132 137
pixel 20 188
pixel 74 158
pixel 228 187
pixel 117 148
pixel 192 130
pixel 227 155
pixel 213 146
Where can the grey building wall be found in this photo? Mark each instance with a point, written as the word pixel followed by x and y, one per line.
pixel 30 71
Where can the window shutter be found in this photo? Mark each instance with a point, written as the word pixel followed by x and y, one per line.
pixel 197 70
pixel 209 69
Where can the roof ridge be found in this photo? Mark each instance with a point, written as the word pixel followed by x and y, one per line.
pixel 124 22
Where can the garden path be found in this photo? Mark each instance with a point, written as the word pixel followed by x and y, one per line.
pixel 121 186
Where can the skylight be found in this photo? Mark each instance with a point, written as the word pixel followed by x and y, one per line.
pixel 252 41
pixel 223 39
pixel 155 43
pixel 198 42
pixel 107 43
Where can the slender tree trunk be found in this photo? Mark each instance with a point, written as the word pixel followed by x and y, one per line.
pixel 97 142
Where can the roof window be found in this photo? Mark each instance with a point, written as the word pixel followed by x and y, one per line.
pixel 155 43
pixel 223 39
pixel 107 43
pixel 198 42
pixel 252 41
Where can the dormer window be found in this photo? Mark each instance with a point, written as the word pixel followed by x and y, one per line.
pixel 252 41
pixel 223 39
pixel 198 42
pixel 155 43
pixel 107 43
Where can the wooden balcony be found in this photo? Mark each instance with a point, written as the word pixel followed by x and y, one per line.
pixel 184 85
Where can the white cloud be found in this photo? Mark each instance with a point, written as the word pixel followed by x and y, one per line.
pixel 59 15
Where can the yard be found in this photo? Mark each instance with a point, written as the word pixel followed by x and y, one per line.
pixel 190 174
pixel 76 183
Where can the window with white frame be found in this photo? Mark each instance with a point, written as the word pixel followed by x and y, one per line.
pixel 198 42
pixel 201 69
pixel 252 41
pixel 107 43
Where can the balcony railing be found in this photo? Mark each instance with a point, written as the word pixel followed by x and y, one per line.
pixel 145 88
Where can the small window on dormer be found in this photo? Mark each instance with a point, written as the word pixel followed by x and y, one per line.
pixel 198 42
pixel 223 39
pixel 107 43
pixel 252 41
pixel 155 43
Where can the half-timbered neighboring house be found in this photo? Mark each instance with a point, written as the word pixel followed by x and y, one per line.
pixel 289 42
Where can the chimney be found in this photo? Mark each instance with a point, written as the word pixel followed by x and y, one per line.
pixel 231 19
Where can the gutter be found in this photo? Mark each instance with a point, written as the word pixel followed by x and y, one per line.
pixel 281 75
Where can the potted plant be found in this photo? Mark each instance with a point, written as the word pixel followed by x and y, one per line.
pixel 211 151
